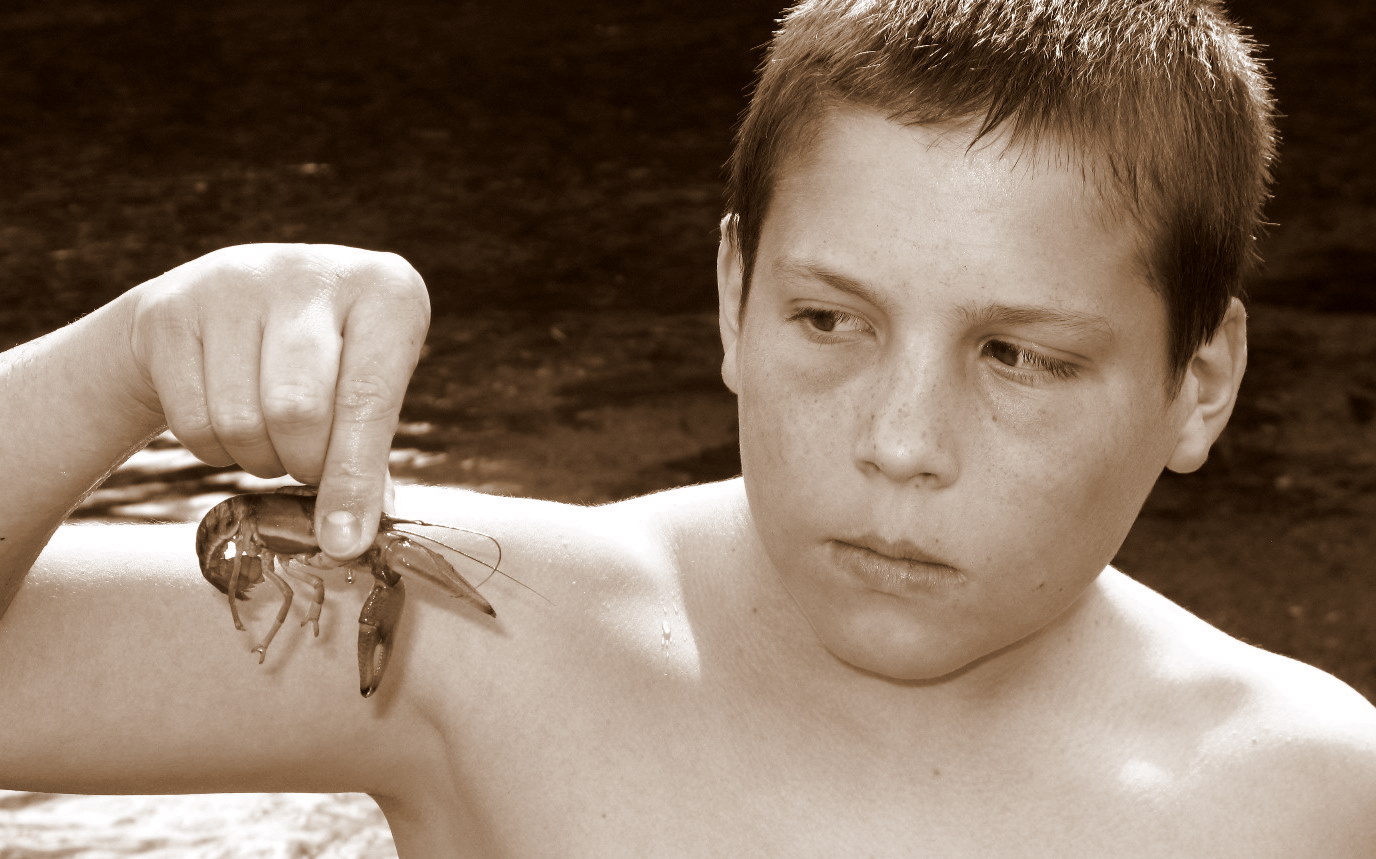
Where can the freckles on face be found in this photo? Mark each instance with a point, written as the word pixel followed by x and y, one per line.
pixel 1068 490
pixel 949 359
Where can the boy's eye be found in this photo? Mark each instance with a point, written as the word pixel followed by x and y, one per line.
pixel 1026 360
pixel 827 321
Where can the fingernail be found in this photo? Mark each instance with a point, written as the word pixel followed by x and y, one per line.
pixel 341 534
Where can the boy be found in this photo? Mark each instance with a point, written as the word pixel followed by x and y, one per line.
pixel 977 289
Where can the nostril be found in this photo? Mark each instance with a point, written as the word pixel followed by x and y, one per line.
pixel 904 453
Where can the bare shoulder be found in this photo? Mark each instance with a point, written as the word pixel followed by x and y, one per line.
pixel 545 538
pixel 575 581
pixel 1285 751
pixel 547 533
pixel 1302 755
pixel 582 609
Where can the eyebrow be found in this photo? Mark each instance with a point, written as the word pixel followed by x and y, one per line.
pixel 1072 322
pixel 973 314
pixel 833 279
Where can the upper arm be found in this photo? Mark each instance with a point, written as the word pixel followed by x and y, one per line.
pixel 1304 776
pixel 1321 798
pixel 121 671
pixel 1332 751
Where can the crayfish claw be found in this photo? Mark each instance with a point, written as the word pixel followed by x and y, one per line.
pixel 402 553
pixel 376 627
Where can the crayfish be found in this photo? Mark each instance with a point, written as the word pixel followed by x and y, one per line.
pixel 248 538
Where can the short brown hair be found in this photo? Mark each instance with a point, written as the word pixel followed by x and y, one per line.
pixel 1165 100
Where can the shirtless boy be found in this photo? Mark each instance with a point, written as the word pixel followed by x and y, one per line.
pixel 978 288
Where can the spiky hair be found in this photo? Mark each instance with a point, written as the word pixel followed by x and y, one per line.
pixel 1163 102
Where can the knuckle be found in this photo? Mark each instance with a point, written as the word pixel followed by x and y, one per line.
pixel 397 269
pixel 367 397
pixel 172 311
pixel 238 427
pixel 349 478
pixel 292 269
pixel 272 269
pixel 234 268
pixel 191 424
pixel 348 484
pixel 295 404
pixel 390 278
pixel 161 320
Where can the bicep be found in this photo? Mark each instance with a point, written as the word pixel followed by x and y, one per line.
pixel 121 671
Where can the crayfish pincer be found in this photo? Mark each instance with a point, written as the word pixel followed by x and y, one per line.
pixel 271 535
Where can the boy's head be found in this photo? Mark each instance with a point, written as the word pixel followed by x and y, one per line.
pixel 1159 103
pixel 984 237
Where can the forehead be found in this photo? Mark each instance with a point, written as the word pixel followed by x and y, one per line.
pixel 894 203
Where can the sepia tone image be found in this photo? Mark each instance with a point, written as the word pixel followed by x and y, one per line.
pixel 730 426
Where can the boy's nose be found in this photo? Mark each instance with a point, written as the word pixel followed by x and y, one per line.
pixel 908 434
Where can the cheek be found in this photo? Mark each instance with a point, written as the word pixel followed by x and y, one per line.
pixel 784 451
pixel 787 414
pixel 793 449
pixel 1073 481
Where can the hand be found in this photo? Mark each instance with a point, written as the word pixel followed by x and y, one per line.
pixel 288 359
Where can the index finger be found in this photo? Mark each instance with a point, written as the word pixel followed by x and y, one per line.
pixel 382 340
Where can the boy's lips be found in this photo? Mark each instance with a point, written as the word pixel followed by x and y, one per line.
pixel 893 567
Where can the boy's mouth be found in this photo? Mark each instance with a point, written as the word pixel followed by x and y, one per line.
pixel 893 567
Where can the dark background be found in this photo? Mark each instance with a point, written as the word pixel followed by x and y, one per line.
pixel 553 170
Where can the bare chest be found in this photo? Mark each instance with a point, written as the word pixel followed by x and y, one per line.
pixel 630 786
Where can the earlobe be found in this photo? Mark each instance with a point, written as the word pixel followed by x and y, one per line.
pixel 729 284
pixel 1209 390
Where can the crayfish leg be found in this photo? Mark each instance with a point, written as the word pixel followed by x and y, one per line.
pixel 294 569
pixel 377 625
pixel 233 589
pixel 262 649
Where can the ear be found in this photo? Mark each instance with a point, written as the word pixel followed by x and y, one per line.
pixel 730 278
pixel 1210 389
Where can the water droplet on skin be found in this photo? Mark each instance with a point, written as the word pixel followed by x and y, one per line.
pixel 668 634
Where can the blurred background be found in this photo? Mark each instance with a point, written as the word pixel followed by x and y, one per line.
pixel 553 170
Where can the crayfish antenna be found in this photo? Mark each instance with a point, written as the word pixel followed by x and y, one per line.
pixel 494 567
pixel 409 554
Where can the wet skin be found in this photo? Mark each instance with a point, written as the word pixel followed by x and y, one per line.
pixel 953 399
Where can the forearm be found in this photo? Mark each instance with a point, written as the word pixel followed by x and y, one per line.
pixel 75 405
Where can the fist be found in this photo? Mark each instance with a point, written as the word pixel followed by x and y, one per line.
pixel 288 359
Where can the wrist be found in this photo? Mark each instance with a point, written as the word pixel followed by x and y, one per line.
pixel 126 377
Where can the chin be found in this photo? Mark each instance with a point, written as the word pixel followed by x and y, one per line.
pixel 910 660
